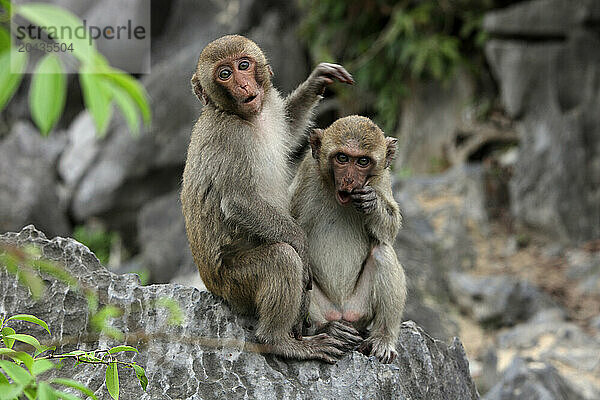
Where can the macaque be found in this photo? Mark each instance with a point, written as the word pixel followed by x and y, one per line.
pixel 248 248
pixel 342 198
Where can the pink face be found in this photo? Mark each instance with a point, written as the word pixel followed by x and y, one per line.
pixel 238 77
pixel 351 170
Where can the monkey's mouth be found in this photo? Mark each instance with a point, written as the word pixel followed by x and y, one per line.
pixel 343 197
pixel 250 99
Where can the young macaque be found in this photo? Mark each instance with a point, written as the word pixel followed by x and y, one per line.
pixel 342 198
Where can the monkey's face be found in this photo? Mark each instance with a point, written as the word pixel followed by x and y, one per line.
pixel 237 76
pixel 351 168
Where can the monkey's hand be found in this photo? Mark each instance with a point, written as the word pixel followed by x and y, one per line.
pixel 325 74
pixel 364 199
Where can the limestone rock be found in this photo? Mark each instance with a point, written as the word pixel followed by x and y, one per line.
pixel 203 358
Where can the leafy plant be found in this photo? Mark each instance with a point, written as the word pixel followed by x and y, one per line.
pixel 387 44
pixel 25 370
pixel 102 85
pixel 27 264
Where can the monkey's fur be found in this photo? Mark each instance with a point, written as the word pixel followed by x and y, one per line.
pixel 248 248
pixel 356 276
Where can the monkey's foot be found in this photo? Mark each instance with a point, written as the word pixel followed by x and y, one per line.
pixel 380 348
pixel 343 332
pixel 324 347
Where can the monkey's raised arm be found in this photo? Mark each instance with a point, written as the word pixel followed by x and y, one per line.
pixel 300 103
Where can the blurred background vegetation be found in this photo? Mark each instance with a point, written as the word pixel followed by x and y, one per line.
pixel 390 44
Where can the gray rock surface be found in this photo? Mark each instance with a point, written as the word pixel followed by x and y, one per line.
pixel 545 69
pixel 496 301
pixel 542 18
pixel 81 149
pixel 190 362
pixel 551 345
pixel 29 188
pixel 164 248
pixel 532 380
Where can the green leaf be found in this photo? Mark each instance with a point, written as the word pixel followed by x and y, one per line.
pixel 9 81
pixel 6 4
pixel 3 379
pixel 55 270
pixel 30 392
pixel 41 366
pixel 118 349
pixel 90 358
pixel 8 342
pixel 5 351
pixel 45 392
pixel 97 98
pixel 48 93
pixel 17 374
pixel 135 89
pixel 32 281
pixel 50 15
pixel 30 318
pixel 75 385
pixel 141 374
pixel 99 321
pixel 24 357
pixel 112 380
pixel 10 391
pixel 4 40
pixel 21 337
pixel 128 108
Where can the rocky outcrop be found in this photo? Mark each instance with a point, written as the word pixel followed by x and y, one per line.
pixel 545 55
pixel 205 357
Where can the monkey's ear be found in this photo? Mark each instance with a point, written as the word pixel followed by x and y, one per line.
pixel 315 142
pixel 270 70
pixel 390 152
pixel 198 90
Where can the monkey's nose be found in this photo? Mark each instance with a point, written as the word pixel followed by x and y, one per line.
pixel 348 181
pixel 244 87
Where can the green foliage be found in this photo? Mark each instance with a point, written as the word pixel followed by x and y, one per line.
pixel 102 85
pixel 386 44
pixel 25 370
pixel 47 78
pixel 97 239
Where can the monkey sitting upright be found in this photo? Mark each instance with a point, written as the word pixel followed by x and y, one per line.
pixel 248 248
pixel 342 198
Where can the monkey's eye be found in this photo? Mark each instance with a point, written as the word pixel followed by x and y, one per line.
pixel 341 157
pixel 224 74
pixel 363 161
pixel 245 64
